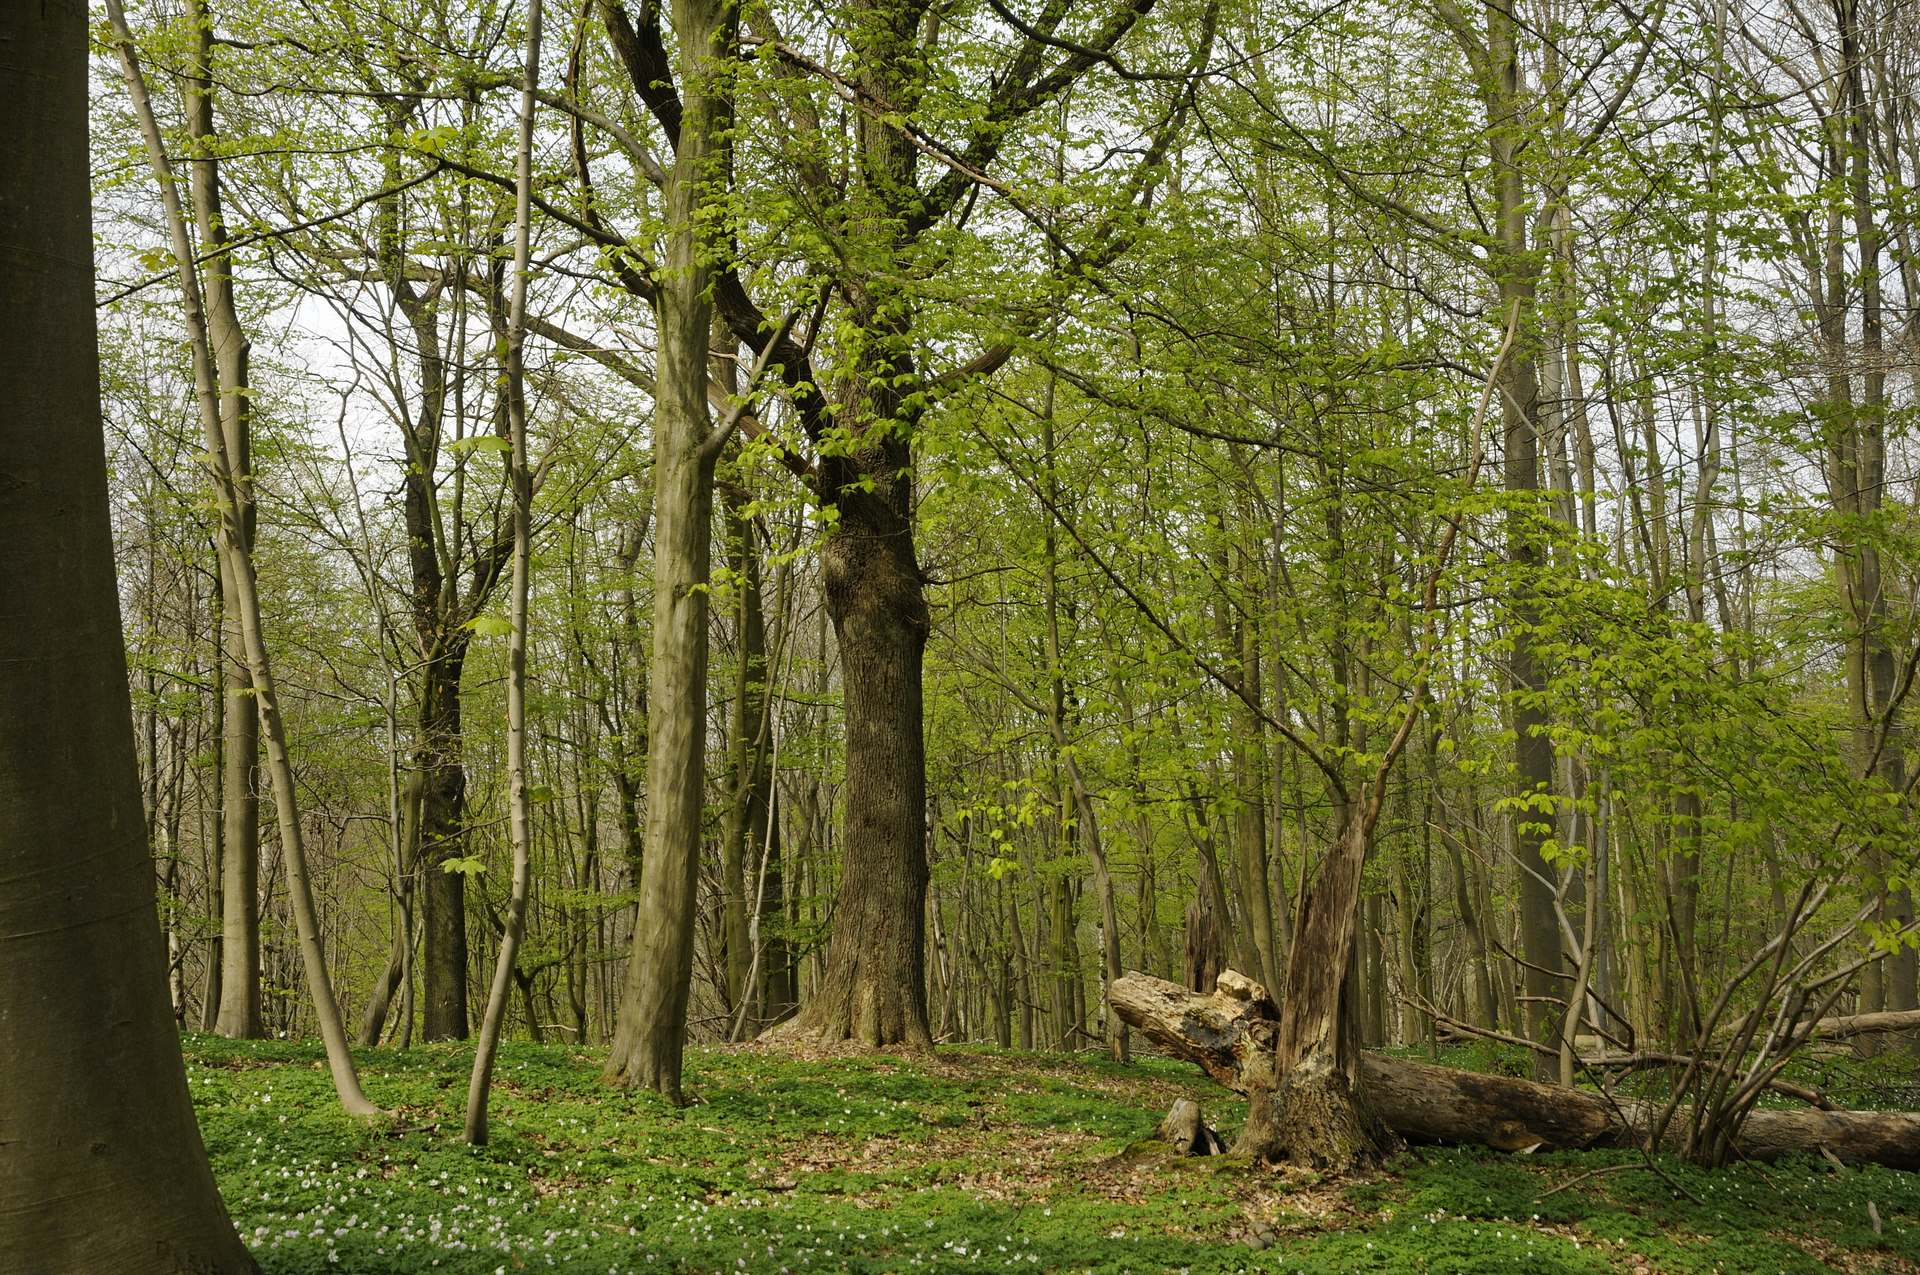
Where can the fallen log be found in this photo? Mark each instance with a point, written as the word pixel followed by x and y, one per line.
pixel 1846 1026
pixel 1230 1035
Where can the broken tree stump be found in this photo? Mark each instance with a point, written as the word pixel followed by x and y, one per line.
pixel 1206 946
pixel 1230 1033
pixel 1188 1133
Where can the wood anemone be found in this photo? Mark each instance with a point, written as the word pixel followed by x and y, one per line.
pixel 1231 1032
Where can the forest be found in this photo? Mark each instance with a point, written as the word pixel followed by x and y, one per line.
pixel 881 635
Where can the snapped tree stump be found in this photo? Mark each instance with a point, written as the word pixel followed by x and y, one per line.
pixel 1230 1032
pixel 1187 1131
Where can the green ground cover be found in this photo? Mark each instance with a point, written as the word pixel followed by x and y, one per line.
pixel 977 1160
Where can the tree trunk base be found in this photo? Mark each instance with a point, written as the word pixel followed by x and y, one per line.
pixel 815 1028
pixel 643 1060
pixel 1187 1131
pixel 1314 1119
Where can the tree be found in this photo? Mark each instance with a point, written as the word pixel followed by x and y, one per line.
pixel 520 477
pixel 237 546
pixel 650 1038
pixel 104 1167
pixel 239 845
pixel 876 231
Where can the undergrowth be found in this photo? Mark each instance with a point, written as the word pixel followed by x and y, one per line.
pixel 977 1160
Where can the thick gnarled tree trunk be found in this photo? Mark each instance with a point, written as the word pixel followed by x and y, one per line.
pixel 873 990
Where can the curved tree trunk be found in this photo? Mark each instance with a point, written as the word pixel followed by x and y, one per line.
pixel 103 1168
pixel 239 554
pixel 394 978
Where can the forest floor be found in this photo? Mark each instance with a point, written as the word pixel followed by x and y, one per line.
pixel 976 1160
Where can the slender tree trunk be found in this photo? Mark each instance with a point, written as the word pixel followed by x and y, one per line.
pixel 650 1035
pixel 749 781
pixel 239 1013
pixel 1897 981
pixel 520 479
pixel 1022 974
pixel 279 765
pixel 1520 410
pixel 395 977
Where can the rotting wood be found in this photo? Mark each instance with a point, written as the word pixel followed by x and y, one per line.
pixel 1230 1035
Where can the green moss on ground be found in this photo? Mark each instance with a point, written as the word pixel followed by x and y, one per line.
pixel 978 1160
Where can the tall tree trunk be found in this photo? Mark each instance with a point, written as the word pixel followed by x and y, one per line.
pixel 1250 811
pixel 650 1033
pixel 240 556
pixel 749 835
pixel 873 989
pixel 239 1013
pixel 103 1168
pixel 520 480
pixel 1895 984
pixel 1520 410
pixel 748 779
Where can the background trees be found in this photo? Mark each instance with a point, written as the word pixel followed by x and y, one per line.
pixel 1106 523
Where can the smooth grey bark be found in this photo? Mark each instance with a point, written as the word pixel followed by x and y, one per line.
pixel 239 1008
pixel 102 1167
pixel 519 817
pixel 650 1032
pixel 240 557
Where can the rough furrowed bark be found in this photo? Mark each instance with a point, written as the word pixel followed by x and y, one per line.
pixel 1230 1035
pixel 873 991
pixel 442 834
